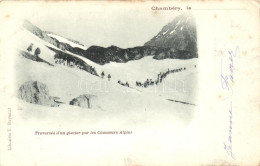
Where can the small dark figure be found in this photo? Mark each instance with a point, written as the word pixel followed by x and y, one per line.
pixel 102 74
pixel 37 52
pixel 168 71
pixel 119 81
pixel 195 66
pixel 184 68
pixel 147 81
pixel 127 84
pixel 109 76
pixel 29 49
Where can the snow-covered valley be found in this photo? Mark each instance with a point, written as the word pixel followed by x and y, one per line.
pixel 145 112
pixel 173 97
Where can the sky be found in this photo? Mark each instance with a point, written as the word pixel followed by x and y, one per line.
pixel 104 24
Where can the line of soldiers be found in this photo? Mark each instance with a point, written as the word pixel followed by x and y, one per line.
pixel 123 84
pixel 159 79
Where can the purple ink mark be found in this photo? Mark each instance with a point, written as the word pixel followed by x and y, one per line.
pixel 228 146
pixel 227 79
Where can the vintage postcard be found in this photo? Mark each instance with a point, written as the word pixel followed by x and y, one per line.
pixel 129 83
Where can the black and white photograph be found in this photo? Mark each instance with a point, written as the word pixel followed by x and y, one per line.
pixel 56 73
pixel 134 83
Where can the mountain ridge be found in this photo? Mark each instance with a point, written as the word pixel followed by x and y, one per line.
pixel 176 40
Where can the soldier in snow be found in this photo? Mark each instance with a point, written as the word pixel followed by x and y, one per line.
pixel 102 74
pixel 109 76
pixel 37 52
pixel 29 49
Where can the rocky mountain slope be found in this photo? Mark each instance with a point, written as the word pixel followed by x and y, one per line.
pixel 177 40
pixel 180 35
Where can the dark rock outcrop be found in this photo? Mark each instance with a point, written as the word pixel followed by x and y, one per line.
pixel 37 93
pixel 84 101
pixel 103 55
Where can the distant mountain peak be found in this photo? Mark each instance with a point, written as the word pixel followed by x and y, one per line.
pixel 180 34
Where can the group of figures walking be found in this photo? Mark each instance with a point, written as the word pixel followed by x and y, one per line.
pixel 159 78
pixel 123 84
